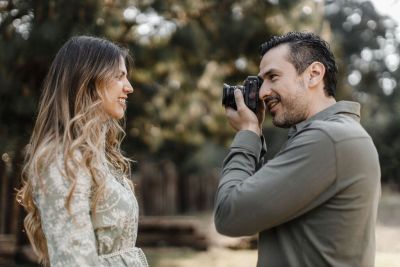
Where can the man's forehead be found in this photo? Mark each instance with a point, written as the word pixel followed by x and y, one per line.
pixel 275 56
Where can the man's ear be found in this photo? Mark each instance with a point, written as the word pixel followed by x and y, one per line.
pixel 316 72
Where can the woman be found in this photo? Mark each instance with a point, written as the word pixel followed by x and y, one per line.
pixel 80 203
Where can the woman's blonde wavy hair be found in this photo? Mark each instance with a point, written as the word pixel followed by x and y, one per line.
pixel 71 122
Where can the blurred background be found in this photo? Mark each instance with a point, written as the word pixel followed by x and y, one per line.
pixel 184 50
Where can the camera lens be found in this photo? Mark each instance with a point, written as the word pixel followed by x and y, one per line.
pixel 228 96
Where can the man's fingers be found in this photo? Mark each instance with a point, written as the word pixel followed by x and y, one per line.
pixel 229 111
pixel 239 99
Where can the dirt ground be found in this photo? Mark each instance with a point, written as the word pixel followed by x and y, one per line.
pixel 388 231
pixel 219 255
pixel 387 243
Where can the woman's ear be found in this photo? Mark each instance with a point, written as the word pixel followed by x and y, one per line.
pixel 316 72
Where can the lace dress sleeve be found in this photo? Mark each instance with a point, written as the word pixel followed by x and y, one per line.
pixel 70 236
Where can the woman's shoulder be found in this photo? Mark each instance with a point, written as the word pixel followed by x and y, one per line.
pixel 60 173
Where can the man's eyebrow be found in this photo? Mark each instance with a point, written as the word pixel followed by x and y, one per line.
pixel 269 72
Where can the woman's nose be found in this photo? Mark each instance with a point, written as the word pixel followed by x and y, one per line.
pixel 128 87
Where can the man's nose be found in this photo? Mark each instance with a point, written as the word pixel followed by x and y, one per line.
pixel 265 90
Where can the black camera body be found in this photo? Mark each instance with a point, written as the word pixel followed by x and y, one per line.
pixel 250 90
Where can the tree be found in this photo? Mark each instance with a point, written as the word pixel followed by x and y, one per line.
pixel 370 55
pixel 184 50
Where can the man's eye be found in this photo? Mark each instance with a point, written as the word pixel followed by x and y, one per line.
pixel 273 77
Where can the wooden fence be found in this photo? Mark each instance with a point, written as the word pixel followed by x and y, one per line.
pixel 160 191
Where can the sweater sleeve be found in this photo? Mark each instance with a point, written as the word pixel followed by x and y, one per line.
pixel 249 200
pixel 70 236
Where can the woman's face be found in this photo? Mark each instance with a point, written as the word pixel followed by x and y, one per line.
pixel 116 92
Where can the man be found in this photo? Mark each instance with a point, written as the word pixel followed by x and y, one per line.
pixel 315 203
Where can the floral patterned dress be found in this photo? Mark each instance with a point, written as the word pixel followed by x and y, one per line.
pixel 83 237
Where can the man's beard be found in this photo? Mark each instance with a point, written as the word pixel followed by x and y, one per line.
pixel 288 119
pixel 294 110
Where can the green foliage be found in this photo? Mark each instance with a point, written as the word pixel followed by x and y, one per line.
pixel 31 33
pixel 190 66
pixel 184 50
pixel 370 55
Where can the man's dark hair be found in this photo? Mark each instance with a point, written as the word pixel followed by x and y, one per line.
pixel 306 48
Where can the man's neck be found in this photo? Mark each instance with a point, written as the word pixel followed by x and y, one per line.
pixel 320 104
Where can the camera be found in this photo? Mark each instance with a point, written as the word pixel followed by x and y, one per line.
pixel 250 90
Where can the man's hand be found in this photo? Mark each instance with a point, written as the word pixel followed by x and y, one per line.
pixel 243 118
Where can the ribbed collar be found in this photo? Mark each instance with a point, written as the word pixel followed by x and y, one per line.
pixel 352 108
